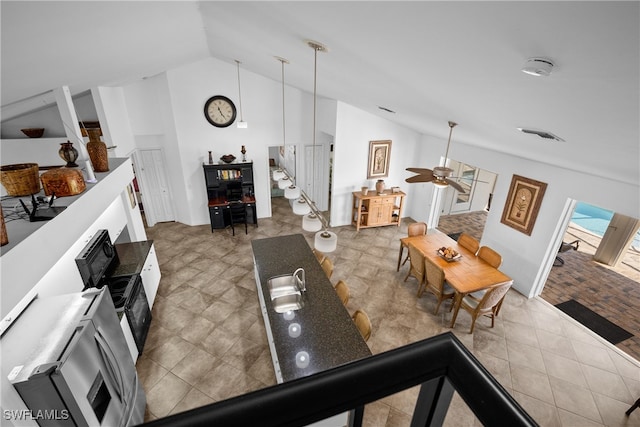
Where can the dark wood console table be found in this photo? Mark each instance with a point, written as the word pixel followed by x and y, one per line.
pixel 227 183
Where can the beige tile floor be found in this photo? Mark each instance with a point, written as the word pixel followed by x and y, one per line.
pixel 207 340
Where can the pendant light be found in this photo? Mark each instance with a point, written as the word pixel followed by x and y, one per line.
pixel 301 207
pixel 311 222
pixel 326 241
pixel 292 192
pixel 241 124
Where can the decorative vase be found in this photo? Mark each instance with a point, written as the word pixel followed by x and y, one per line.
pixel 380 186
pixel 244 152
pixel 364 190
pixel 97 151
pixel 69 154
pixel 210 158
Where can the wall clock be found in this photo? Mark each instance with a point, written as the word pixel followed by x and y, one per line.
pixel 220 111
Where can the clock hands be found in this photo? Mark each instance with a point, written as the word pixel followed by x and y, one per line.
pixel 221 113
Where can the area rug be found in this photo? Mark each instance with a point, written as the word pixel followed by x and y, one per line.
pixel 598 324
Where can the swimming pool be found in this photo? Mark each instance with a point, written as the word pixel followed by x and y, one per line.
pixel 596 220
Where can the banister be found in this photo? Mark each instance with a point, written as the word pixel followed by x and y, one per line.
pixel 441 364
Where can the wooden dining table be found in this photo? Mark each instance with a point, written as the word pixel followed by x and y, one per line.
pixel 466 275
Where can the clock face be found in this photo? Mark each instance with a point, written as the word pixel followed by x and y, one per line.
pixel 220 111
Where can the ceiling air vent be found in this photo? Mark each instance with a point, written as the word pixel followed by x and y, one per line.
pixel 541 134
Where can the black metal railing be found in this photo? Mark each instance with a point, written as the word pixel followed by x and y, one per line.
pixel 441 365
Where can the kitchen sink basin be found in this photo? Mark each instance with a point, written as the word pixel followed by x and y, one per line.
pixel 282 285
pixel 288 302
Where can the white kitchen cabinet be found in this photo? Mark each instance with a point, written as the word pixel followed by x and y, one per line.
pixel 150 275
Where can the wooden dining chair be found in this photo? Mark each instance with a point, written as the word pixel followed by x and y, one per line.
pixel 490 256
pixel 363 323
pixel 435 283
pixel 414 229
pixel 468 242
pixel 416 261
pixel 327 266
pixel 487 306
pixel 319 255
pixel 342 290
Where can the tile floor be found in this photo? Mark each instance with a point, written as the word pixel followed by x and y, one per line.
pixel 207 340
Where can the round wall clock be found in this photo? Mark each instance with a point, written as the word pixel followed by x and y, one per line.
pixel 220 111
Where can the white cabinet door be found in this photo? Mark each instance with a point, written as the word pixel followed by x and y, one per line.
pixel 150 276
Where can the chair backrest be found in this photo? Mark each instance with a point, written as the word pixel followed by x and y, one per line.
pixel 362 323
pixel 493 296
pixel 238 210
pixel 319 255
pixel 327 266
pixel 342 290
pixel 468 242
pixel 417 229
pixel 490 256
pixel 417 263
pixel 435 274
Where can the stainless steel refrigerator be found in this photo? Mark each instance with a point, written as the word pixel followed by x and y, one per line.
pixel 70 364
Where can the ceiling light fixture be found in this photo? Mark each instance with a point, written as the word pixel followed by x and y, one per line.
pixel 241 124
pixel 539 67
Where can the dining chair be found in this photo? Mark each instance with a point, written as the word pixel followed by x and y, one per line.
pixel 363 323
pixel 435 283
pixel 414 229
pixel 238 215
pixel 416 269
pixel 490 256
pixel 342 290
pixel 487 306
pixel 319 255
pixel 468 242
pixel 327 266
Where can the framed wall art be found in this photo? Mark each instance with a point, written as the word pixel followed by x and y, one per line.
pixel 379 155
pixel 523 203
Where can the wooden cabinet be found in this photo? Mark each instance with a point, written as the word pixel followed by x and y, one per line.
pixel 376 210
pixel 229 182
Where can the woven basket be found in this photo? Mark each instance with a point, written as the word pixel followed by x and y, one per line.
pixel 20 179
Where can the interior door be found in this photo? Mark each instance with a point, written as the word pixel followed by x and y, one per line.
pixel 154 186
pixel 316 175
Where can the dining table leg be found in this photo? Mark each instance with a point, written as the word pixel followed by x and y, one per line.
pixel 400 256
pixel 456 306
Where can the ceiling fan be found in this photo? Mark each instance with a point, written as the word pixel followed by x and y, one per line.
pixel 440 174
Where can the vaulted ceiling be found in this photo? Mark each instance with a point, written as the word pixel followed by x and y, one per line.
pixel 427 61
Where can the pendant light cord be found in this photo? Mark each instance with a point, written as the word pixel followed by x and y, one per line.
pixel 315 85
pixel 239 93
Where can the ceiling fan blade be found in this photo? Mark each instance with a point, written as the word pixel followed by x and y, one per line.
pixel 455 185
pixel 420 170
pixel 419 178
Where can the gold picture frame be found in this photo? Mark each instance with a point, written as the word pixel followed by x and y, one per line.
pixel 379 155
pixel 523 203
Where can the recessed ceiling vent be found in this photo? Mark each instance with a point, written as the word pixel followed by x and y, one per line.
pixel 542 134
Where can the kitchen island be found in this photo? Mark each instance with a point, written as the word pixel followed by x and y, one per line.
pixel 327 336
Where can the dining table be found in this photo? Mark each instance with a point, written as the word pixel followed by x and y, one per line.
pixel 466 274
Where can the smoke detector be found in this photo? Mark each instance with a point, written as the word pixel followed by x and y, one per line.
pixel 538 67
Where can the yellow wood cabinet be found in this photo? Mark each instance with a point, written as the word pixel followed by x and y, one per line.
pixel 376 210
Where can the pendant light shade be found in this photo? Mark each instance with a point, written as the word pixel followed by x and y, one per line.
pixel 326 241
pixel 301 207
pixel 292 192
pixel 277 174
pixel 284 183
pixel 311 222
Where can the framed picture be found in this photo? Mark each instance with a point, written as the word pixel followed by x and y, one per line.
pixel 523 203
pixel 132 196
pixel 379 153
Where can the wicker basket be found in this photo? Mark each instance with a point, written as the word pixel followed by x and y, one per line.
pixel 20 179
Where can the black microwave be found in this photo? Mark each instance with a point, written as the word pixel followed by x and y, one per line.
pixel 95 259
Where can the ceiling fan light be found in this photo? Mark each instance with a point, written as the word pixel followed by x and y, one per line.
pixel 440 183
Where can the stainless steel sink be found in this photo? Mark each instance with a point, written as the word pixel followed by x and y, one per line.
pixel 289 302
pixel 286 291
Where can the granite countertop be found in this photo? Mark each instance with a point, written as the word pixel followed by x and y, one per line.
pixel 328 334
pixel 131 257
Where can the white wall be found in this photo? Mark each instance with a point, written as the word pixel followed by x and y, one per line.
pixel 169 109
pixel 354 129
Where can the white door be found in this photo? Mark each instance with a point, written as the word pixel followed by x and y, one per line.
pixel 154 187
pixel 316 176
